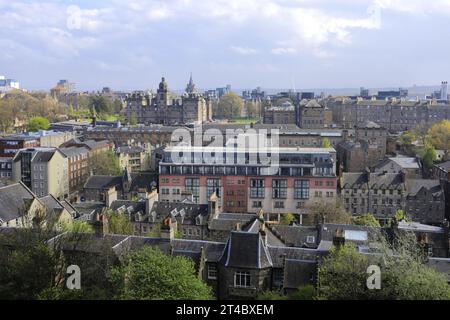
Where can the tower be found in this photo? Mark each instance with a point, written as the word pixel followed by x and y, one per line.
pixel 163 93
pixel 444 90
pixel 190 88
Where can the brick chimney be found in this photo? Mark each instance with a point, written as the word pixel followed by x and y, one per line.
pixel 168 229
pixel 339 238
pixel 100 225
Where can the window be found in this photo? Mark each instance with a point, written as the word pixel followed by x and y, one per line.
pixel 301 189
pixel 213 185
pixel 212 272
pixel 310 239
pixel 257 188
pixel 279 205
pixel 193 185
pixel 242 279
pixel 279 189
pixel 257 204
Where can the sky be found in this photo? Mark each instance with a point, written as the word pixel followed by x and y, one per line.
pixel 295 44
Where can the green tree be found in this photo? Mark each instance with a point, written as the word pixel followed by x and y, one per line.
pixel 230 105
pixel 33 265
pixel 367 219
pixel 287 219
pixel 38 123
pixel 119 224
pixel 404 274
pixel 101 104
pixel 400 215
pixel 429 157
pixel 326 143
pixel 150 274
pixel 439 135
pixel 325 212
pixel 105 163
pixel 79 227
pixel 306 292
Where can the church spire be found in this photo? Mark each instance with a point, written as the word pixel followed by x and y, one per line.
pixel 190 88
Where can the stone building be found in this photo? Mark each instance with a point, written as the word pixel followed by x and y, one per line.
pixel 160 108
pixel 135 158
pixel 78 162
pixel 44 170
pixel 393 114
pixel 382 194
pixel 425 201
pixel 364 150
pixel 313 115
pixel 410 166
pixel 286 113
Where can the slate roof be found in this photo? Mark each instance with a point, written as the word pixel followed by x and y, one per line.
pixel 298 272
pixel 296 236
pixel 186 213
pixel 74 151
pixel 445 166
pixel 278 254
pixel 246 250
pixel 228 221
pixel 376 181
pixel 413 186
pixel 130 149
pixel 103 182
pixel 128 206
pixel 406 162
pixel 13 199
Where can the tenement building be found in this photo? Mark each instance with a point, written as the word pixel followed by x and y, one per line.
pixel 393 114
pixel 382 194
pixel 289 182
pixel 364 150
pixel 162 108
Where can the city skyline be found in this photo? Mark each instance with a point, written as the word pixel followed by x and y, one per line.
pixel 307 44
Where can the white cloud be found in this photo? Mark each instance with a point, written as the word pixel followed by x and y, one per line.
pixel 243 50
pixel 280 51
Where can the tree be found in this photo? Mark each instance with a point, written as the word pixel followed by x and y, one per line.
pixel 252 109
pixel 105 163
pixel 230 105
pixel 404 274
pixel 38 123
pixel 326 143
pixel 101 104
pixel 367 220
pixel 306 292
pixel 132 121
pixel 118 223
pixel 79 227
pixel 400 215
pixel 31 267
pixel 439 136
pixel 287 219
pixel 325 212
pixel 429 157
pixel 150 274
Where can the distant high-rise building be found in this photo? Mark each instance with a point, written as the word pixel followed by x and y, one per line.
pixel 363 92
pixel 8 84
pixel 444 90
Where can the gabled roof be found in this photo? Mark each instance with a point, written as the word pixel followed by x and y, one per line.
pixel 14 199
pixel 103 182
pixel 413 186
pixel 246 250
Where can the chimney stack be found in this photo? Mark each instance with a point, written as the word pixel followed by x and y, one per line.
pixel 100 225
pixel 168 229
